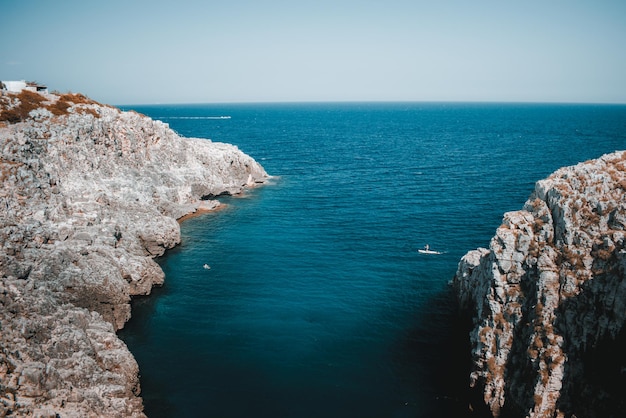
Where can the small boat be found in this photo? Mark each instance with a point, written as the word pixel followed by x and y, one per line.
pixel 427 250
pixel 207 267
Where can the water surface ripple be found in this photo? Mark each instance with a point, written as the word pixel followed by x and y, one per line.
pixel 317 302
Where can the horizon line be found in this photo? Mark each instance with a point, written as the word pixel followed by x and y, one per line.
pixel 296 102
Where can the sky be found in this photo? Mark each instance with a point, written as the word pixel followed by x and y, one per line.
pixel 228 51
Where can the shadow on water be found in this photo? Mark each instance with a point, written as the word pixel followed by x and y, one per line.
pixel 433 354
pixel 438 349
pixel 141 343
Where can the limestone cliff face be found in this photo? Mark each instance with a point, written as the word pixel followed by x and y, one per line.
pixel 88 196
pixel 548 298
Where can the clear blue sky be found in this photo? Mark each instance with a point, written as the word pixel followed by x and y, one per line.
pixel 184 51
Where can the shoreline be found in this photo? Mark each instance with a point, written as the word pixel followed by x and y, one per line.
pixel 82 228
pixel 209 206
pixel 203 210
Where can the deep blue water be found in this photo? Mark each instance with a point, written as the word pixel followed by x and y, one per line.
pixel 317 303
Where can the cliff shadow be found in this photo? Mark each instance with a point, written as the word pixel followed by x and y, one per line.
pixel 594 381
pixel 438 344
pixel 137 337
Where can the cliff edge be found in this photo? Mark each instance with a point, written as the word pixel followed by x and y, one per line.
pixel 89 195
pixel 548 299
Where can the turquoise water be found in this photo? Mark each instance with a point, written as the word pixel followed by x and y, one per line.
pixel 317 302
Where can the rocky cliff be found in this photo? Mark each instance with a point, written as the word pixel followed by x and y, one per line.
pixel 548 299
pixel 88 196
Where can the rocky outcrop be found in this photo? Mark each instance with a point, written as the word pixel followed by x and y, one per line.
pixel 89 195
pixel 548 299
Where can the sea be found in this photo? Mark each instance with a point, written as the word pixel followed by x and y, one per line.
pixel 317 302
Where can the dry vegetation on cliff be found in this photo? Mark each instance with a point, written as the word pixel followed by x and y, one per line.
pixel 17 107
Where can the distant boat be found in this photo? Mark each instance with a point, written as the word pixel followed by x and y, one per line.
pixel 427 250
pixel 207 267
pixel 423 251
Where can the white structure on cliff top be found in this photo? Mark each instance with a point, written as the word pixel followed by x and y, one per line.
pixel 18 86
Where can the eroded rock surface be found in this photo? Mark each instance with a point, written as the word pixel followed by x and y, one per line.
pixel 88 197
pixel 548 299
